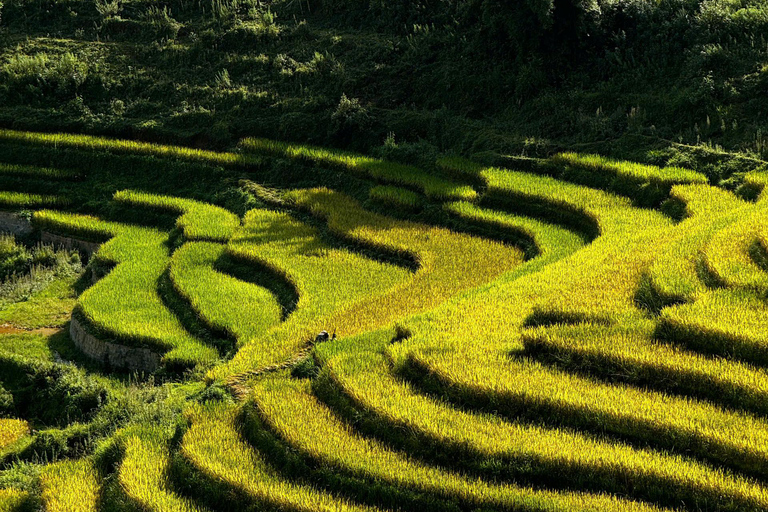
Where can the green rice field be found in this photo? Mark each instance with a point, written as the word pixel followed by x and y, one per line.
pixel 284 327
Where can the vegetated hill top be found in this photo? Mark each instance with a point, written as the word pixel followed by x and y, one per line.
pixel 465 75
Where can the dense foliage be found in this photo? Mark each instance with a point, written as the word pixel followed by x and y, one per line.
pixel 464 75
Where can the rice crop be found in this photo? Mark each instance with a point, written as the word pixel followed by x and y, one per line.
pixel 458 346
pixel 616 353
pixel 12 430
pixel 28 171
pixel 213 445
pixel 551 455
pixel 394 196
pixel 290 409
pixel 551 241
pixel 14 500
pixel 476 371
pixel 756 180
pixel 727 255
pixel 122 146
pixel 389 172
pixel 731 322
pixel 198 220
pixel 538 343
pixel 448 263
pixel 15 200
pixel 125 305
pixel 144 473
pixel 674 275
pixel 70 486
pixel 641 173
pixel 326 279
pixel 243 310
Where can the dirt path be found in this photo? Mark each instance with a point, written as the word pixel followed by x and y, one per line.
pixel 45 331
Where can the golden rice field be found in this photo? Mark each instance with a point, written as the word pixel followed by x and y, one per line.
pixel 331 331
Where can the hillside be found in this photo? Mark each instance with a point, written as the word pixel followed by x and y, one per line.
pixel 378 257
pixel 462 76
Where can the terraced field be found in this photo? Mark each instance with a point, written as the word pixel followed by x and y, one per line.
pixel 282 327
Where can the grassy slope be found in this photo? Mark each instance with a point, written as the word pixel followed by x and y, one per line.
pixel 341 74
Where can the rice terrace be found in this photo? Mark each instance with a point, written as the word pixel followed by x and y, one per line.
pixel 357 256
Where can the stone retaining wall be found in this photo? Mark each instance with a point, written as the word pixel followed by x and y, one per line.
pixel 117 356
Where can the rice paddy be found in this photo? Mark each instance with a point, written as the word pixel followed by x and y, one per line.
pixel 577 334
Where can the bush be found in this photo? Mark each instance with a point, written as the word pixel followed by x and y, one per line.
pixel 45 74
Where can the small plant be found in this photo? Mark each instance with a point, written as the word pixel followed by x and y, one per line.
pixel 165 27
pixel 306 368
pixel 117 106
pixel 108 8
pixel 350 111
pixel 222 79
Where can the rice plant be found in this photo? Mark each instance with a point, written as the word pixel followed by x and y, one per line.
pixel 11 431
pixel 523 450
pixel 198 220
pixel 125 305
pixel 243 310
pixel 449 263
pixel 666 176
pixel 144 473
pixel 122 146
pixel 390 172
pixel 14 500
pixel 70 486
pixel 214 446
pixel 28 171
pixel 574 352
pixel 289 408
pixel 16 200
pixel 394 196
pixel 616 353
pixel 326 279
pixel 731 322
pixel 674 275
pixel 727 255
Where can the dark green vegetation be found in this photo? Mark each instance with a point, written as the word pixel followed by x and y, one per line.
pixel 479 77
